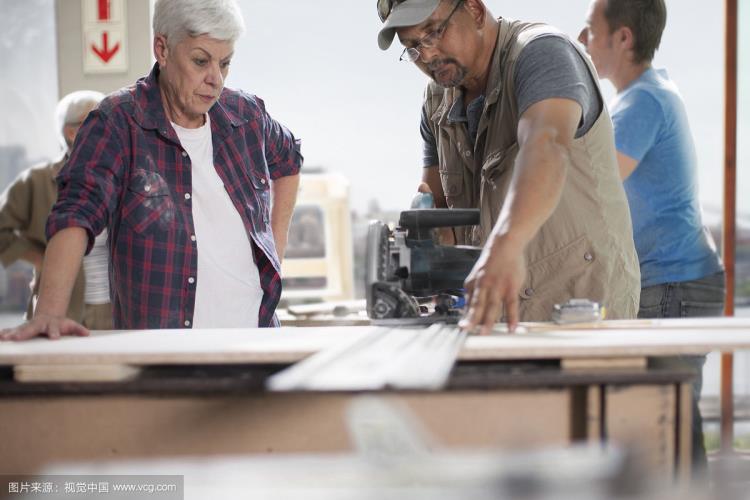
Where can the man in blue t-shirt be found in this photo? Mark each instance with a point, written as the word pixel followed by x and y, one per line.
pixel 681 273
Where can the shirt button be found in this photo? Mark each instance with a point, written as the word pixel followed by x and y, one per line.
pixel 467 153
pixel 184 154
pixel 187 322
pixel 192 237
pixel 588 257
pixel 529 292
pixel 191 280
pixel 147 187
pixel 187 196
pixel 262 181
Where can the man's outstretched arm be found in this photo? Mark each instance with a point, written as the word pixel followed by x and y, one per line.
pixel 545 133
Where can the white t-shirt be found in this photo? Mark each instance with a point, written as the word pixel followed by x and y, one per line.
pixel 228 292
pixel 96 271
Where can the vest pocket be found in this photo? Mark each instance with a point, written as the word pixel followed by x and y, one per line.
pixel 498 162
pixel 453 185
pixel 559 276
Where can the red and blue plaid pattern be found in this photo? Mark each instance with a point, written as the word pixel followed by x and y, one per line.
pixel 128 172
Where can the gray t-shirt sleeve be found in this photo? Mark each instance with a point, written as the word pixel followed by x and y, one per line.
pixel 550 67
pixel 429 144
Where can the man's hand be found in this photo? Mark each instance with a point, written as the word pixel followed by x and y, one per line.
pixel 493 286
pixel 52 326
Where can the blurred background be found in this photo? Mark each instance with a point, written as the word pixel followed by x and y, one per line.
pixel 356 109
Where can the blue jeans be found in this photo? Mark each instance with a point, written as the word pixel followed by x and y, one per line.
pixel 690 299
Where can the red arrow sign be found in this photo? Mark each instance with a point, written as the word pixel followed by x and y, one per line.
pixel 103 10
pixel 105 53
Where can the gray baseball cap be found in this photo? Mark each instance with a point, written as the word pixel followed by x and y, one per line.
pixel 406 13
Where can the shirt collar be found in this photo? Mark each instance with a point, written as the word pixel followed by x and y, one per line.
pixel 457 113
pixel 148 110
pixel 460 113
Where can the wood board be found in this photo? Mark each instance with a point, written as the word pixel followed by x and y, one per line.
pixel 74 373
pixel 152 347
pixel 287 344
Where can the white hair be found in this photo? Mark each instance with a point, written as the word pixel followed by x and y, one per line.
pixel 219 19
pixel 73 108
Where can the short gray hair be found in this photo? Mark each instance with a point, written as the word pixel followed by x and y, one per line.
pixel 73 108
pixel 219 19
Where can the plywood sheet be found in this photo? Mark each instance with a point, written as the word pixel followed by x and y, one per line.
pixel 288 344
pixel 149 347
pixel 654 340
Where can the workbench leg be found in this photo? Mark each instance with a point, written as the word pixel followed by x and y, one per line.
pixel 645 420
pixel 684 437
pixel 595 415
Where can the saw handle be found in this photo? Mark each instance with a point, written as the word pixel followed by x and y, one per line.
pixel 438 217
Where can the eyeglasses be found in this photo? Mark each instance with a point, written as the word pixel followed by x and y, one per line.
pixel 430 40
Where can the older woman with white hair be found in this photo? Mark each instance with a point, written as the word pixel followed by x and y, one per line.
pixel 182 172
pixel 24 208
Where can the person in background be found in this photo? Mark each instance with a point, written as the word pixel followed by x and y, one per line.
pixel 681 273
pixel 513 124
pixel 24 208
pixel 182 172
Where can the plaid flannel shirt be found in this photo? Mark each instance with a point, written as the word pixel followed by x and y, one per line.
pixel 128 172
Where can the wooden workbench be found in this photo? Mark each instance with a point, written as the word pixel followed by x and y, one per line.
pixel 202 393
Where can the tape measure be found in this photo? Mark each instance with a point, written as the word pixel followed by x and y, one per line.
pixel 578 311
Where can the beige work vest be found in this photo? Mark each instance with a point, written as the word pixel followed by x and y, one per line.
pixel 585 249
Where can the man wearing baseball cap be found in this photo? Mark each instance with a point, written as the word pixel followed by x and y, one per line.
pixel 513 123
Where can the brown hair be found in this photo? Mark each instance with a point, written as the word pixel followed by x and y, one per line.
pixel 645 18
